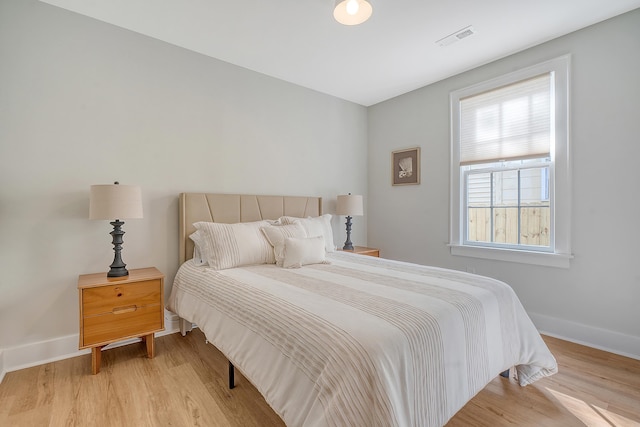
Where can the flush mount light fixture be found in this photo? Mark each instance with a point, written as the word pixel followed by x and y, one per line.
pixel 352 12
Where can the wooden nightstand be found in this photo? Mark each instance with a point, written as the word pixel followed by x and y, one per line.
pixel 362 250
pixel 118 308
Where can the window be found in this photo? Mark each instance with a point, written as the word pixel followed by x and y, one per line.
pixel 507 205
pixel 510 194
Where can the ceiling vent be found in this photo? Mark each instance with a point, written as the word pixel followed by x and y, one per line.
pixel 458 35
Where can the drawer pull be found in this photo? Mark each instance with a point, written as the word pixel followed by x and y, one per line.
pixel 123 310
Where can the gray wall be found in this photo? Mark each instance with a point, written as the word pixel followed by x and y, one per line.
pixel 596 299
pixel 83 102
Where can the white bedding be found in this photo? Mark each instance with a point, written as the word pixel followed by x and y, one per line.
pixel 362 341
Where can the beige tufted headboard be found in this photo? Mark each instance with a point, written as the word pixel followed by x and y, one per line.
pixel 232 208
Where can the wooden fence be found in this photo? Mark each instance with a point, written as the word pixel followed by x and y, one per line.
pixel 534 225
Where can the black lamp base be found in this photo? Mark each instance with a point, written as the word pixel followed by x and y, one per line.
pixel 348 246
pixel 118 272
pixel 117 266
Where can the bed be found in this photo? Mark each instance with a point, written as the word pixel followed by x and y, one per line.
pixel 347 339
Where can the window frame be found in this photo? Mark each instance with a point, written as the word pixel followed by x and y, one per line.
pixel 559 254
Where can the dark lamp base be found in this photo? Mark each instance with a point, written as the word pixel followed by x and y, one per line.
pixel 117 266
pixel 118 272
pixel 348 246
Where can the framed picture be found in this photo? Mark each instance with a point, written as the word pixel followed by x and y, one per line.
pixel 405 166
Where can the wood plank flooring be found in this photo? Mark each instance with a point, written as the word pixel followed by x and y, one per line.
pixel 186 385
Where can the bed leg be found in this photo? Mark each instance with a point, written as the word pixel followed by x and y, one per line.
pixel 185 326
pixel 232 382
pixel 505 374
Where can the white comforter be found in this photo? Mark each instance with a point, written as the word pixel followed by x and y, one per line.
pixel 363 341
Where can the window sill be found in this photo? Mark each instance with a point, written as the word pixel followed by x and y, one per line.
pixel 524 257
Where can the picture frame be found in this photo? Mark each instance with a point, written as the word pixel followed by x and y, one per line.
pixel 405 166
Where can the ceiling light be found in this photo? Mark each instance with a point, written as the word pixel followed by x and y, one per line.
pixel 352 12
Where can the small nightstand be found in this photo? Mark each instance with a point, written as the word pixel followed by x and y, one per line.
pixel 118 308
pixel 362 250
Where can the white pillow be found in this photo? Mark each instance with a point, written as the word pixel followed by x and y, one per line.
pixel 303 251
pixel 276 236
pixel 317 226
pixel 199 257
pixel 234 245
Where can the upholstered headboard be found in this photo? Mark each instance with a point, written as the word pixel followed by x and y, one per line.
pixel 232 208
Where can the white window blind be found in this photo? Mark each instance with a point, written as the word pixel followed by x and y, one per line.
pixel 508 123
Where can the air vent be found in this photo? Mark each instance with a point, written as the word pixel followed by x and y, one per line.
pixel 458 35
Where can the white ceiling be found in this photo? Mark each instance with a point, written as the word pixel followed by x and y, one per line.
pixel 392 53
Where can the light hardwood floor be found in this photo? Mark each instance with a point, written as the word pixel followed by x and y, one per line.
pixel 186 385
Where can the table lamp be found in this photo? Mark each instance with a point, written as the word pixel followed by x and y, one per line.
pixel 349 205
pixel 116 202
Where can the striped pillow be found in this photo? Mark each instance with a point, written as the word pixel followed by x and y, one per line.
pixel 315 226
pixel 276 236
pixel 235 245
pixel 198 251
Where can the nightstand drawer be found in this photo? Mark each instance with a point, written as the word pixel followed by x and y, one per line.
pixel 104 299
pixel 124 322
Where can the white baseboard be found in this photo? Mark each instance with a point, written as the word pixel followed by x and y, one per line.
pixel 602 339
pixel 38 353
pixel 2 370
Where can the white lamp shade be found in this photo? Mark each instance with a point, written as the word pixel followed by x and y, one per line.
pixel 350 205
pixel 115 202
pixel 352 12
